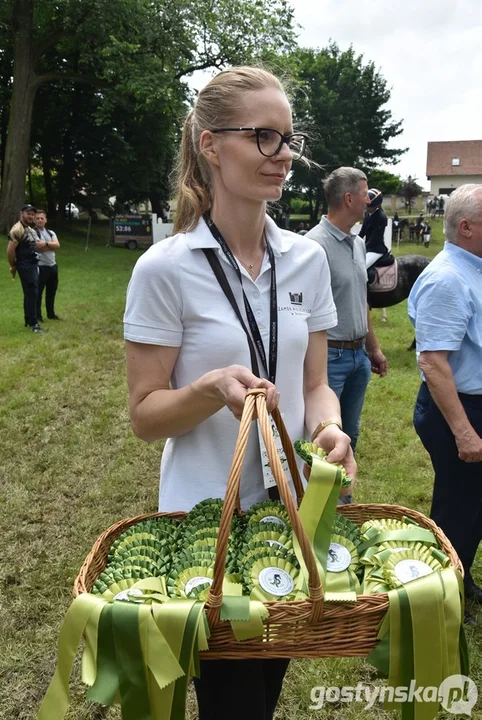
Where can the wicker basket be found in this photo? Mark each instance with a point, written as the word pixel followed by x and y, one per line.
pixel 298 629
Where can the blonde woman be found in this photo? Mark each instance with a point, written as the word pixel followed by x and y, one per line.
pixel 192 353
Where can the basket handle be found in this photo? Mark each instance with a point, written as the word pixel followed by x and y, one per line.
pixel 290 454
pixel 290 457
pixel 255 404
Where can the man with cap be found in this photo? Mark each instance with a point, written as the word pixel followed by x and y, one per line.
pixel 22 257
pixel 373 231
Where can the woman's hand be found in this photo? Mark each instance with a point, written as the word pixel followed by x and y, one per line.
pixel 231 384
pixel 337 444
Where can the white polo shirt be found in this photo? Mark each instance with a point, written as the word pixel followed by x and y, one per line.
pixel 174 299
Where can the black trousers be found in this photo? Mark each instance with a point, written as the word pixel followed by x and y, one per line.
pixel 28 275
pixel 457 492
pixel 48 280
pixel 239 689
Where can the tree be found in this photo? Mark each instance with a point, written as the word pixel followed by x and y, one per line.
pixel 384 181
pixel 410 190
pixel 341 102
pixel 143 50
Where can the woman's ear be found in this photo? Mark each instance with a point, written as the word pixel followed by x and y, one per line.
pixel 208 147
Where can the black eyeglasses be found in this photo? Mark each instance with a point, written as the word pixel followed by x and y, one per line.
pixel 271 141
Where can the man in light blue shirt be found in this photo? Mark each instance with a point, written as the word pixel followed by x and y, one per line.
pixel 445 306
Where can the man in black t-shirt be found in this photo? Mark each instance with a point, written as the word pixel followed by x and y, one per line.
pixel 22 257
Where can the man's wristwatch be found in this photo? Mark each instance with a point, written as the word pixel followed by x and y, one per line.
pixel 323 425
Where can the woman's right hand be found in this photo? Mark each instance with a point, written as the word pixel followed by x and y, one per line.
pixel 231 384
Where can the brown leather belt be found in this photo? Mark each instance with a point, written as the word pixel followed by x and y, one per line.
pixel 347 344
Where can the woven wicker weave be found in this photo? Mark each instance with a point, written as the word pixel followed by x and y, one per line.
pixel 299 629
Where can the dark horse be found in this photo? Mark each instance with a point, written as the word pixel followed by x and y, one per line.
pixel 409 268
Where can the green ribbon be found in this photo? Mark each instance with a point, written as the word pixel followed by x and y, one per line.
pixel 140 652
pixel 134 697
pixel 56 701
pixel 316 513
pixel 412 534
pixel 107 683
pixel 422 641
pixel 254 627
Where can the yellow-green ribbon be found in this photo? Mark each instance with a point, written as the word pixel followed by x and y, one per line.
pixel 316 513
pixel 56 702
pixel 422 638
pixel 140 652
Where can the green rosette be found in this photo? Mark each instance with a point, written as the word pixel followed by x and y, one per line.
pixel 408 565
pixel 142 563
pixel 254 550
pixel 376 555
pixel 187 580
pixel 342 563
pixel 109 590
pixel 305 450
pixel 271 534
pixel 207 553
pixel 123 574
pixel 210 506
pixel 268 511
pixel 376 532
pixel 346 528
pixel 271 578
pixel 150 547
pixel 383 524
pixel 373 585
pixel 149 532
pixel 164 554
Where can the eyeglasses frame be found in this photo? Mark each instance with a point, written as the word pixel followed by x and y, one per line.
pixel 284 138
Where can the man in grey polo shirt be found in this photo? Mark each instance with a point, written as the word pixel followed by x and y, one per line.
pixel 353 349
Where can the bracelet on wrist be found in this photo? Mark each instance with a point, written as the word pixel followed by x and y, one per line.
pixel 323 425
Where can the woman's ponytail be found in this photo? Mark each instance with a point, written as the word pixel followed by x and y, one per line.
pixel 193 195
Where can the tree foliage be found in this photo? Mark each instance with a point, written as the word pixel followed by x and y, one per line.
pixel 341 102
pixel 409 190
pixel 133 56
pixel 386 182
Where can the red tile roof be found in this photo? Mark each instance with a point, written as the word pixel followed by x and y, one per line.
pixel 441 154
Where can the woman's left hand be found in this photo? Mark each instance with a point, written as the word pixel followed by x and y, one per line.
pixel 337 444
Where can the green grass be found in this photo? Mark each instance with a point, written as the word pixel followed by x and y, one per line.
pixel 70 467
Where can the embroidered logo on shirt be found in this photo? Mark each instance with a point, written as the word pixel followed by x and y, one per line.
pixel 296 298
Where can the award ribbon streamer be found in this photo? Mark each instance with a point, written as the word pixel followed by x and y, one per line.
pixel 316 512
pixel 422 641
pixel 56 701
pixel 139 652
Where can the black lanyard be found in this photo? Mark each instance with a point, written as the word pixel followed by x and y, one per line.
pixel 253 325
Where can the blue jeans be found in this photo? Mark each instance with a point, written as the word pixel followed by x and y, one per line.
pixel 348 376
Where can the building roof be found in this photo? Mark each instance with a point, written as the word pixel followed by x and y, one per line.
pixel 454 157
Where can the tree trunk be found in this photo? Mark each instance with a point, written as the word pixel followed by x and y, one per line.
pixel 3 141
pixel 31 197
pixel 49 187
pixel 19 126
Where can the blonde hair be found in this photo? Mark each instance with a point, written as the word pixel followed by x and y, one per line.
pixel 214 107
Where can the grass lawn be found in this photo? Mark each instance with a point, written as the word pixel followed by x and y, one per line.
pixel 70 467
